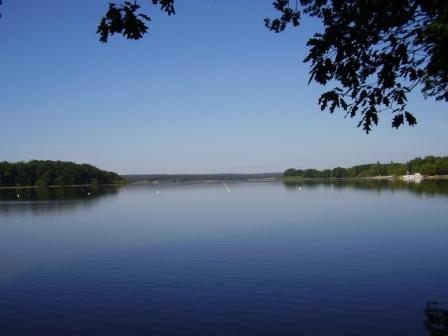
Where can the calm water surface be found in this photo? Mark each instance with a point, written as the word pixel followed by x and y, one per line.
pixel 260 259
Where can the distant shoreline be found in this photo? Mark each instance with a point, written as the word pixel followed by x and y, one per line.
pixel 211 181
pixel 368 178
pixel 200 178
pixel 156 182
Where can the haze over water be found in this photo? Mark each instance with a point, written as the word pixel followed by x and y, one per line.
pixel 260 259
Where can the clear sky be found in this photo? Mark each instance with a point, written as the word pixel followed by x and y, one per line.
pixel 207 90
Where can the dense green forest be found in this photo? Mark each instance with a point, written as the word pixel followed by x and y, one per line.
pixel 430 165
pixel 53 173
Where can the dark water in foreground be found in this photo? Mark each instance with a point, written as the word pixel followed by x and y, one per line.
pixel 261 259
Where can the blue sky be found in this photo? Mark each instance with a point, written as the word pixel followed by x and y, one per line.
pixel 207 90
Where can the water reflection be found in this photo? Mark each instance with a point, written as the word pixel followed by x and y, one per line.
pixel 426 187
pixel 199 260
pixel 43 200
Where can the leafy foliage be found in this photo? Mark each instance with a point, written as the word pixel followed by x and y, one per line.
pixel 430 165
pixel 126 19
pixel 48 173
pixel 289 15
pixel 377 51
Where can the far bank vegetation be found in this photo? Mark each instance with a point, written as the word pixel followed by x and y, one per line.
pixel 428 166
pixel 40 173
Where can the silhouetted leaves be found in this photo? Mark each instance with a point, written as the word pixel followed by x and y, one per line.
pixel 126 20
pixel 166 5
pixel 410 119
pixel 378 51
pixel 289 15
pixel 398 121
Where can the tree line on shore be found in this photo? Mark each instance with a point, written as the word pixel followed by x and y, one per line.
pixel 430 165
pixel 53 173
pixel 181 178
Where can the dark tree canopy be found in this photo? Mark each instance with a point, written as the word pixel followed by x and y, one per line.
pixel 52 173
pixel 430 165
pixel 126 19
pixel 374 51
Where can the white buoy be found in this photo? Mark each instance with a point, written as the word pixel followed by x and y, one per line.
pixel 88 194
pixel 157 192
pixel 300 188
pixel 18 195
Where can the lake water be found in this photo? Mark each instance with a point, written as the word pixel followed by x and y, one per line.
pixel 260 259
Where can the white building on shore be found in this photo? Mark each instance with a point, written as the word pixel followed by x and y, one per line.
pixel 417 177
